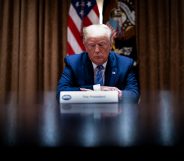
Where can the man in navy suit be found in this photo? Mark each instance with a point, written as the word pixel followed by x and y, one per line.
pixel 118 71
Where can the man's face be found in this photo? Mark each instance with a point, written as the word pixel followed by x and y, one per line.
pixel 98 49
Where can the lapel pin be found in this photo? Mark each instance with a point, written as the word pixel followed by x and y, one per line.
pixel 113 72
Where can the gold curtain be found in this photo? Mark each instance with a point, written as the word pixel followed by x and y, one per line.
pixel 160 39
pixel 32 46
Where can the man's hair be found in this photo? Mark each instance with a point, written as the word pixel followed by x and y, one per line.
pixel 96 30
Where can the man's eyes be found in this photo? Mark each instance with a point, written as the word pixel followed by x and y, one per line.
pixel 92 45
pixel 99 44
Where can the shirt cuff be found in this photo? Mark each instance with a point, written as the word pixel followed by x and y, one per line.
pixel 97 87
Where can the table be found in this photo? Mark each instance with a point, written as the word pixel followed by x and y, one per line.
pixel 156 125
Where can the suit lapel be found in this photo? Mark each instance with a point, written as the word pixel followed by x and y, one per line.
pixel 111 71
pixel 88 70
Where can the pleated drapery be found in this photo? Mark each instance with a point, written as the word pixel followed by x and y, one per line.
pixel 160 38
pixel 33 46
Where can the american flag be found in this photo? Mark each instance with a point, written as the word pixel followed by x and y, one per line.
pixel 81 13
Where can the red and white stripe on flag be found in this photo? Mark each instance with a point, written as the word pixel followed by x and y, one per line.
pixel 82 13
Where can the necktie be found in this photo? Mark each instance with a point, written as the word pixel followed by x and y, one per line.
pixel 99 75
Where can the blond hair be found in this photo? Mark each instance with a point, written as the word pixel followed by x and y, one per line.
pixel 96 30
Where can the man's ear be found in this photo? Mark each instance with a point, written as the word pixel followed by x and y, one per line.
pixel 111 42
pixel 84 43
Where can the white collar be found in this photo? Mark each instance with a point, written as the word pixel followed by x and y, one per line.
pixel 94 65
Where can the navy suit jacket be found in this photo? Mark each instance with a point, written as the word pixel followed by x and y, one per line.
pixel 78 73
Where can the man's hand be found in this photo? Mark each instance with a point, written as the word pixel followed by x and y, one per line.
pixel 85 89
pixel 107 88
